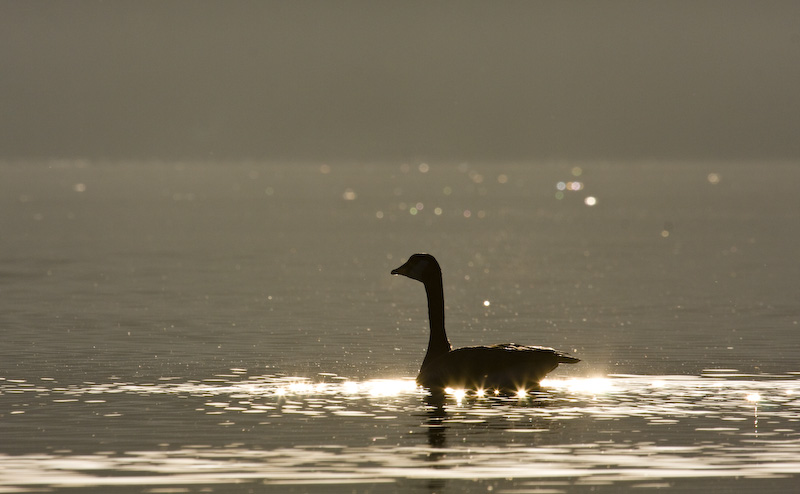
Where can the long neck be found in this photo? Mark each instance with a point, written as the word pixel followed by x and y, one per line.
pixel 438 344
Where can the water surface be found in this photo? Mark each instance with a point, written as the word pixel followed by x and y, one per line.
pixel 186 327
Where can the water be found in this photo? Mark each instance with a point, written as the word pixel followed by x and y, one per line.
pixel 187 327
pixel 332 434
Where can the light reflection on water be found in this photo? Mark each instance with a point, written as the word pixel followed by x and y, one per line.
pixel 333 431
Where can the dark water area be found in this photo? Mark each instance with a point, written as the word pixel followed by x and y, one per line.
pixel 190 327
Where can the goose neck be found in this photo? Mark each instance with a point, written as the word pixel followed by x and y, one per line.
pixel 438 343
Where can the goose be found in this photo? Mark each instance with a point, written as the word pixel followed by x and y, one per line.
pixel 505 368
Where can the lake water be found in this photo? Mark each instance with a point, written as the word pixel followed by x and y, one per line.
pixel 195 327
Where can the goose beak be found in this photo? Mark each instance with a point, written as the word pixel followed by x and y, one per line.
pixel 413 268
pixel 401 270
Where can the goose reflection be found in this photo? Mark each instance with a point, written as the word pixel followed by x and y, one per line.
pixel 434 423
pixel 450 419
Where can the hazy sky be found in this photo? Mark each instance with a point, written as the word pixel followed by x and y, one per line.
pixel 329 80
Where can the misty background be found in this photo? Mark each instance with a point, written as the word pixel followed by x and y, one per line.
pixel 355 80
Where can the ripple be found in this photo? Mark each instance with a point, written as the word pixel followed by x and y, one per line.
pixel 289 430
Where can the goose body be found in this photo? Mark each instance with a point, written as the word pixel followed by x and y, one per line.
pixel 506 367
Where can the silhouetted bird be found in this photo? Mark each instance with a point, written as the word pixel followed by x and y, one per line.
pixel 506 368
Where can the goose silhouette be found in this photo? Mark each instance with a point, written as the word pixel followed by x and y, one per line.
pixel 505 368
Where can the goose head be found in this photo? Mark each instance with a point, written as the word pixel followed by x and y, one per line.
pixel 420 267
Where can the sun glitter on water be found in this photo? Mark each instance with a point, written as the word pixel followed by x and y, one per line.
pixel 590 385
pixel 373 387
pixel 457 394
